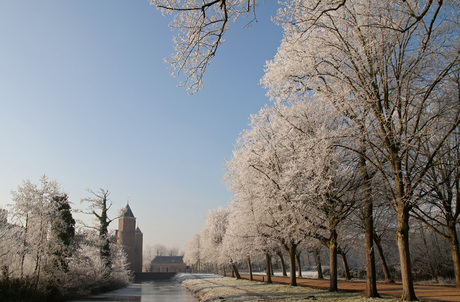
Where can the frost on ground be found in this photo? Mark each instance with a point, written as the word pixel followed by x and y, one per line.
pixel 215 288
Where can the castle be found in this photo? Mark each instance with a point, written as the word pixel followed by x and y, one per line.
pixel 130 238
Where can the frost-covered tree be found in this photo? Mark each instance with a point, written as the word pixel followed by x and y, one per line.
pixel 384 226
pixel 88 272
pixel 315 248
pixel 10 250
pixel 4 234
pixel 212 236
pixel 288 164
pixel 381 64
pixel 331 208
pixel 192 252
pixel 258 171
pixel 280 255
pixel 440 206
pixel 244 239
pixel 202 25
pixel 33 210
pixel 120 273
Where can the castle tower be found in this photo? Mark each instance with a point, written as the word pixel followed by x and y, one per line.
pixel 138 250
pixel 126 236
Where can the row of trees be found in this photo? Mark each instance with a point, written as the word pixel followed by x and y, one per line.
pixel 430 253
pixel 366 110
pixel 296 185
pixel 45 254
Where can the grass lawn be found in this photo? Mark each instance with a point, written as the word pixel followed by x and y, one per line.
pixel 217 288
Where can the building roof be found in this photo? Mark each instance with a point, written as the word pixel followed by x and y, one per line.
pixel 138 230
pixel 168 260
pixel 127 212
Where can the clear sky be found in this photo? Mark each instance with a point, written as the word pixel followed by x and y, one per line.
pixel 86 98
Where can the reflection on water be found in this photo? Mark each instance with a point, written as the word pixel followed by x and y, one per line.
pixel 151 291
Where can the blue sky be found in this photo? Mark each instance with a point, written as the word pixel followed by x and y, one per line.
pixel 86 98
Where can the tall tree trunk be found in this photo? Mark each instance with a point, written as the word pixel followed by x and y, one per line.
pixel 402 234
pixel 402 238
pixel 345 264
pixel 386 271
pixel 5 274
pixel 318 265
pixel 24 244
pixel 332 244
pixel 251 278
pixel 37 270
pixel 454 249
pixel 104 222
pixel 371 275
pixel 223 269
pixel 235 272
pixel 40 250
pixel 291 250
pixel 283 267
pixel 269 267
pixel 299 265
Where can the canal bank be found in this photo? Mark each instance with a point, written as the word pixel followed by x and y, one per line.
pixel 213 288
pixel 216 288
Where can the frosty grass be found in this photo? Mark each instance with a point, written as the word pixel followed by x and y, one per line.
pixel 217 288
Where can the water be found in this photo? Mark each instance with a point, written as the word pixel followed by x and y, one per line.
pixel 149 291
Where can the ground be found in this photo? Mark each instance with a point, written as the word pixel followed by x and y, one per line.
pixel 216 288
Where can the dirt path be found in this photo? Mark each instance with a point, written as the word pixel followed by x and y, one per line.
pixel 423 292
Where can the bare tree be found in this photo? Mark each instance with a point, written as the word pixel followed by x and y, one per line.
pixel 99 207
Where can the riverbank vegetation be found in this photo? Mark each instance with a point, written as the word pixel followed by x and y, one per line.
pixel 45 255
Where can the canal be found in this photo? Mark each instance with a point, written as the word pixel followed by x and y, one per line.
pixel 149 291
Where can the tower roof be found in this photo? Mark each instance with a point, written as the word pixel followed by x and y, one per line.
pixel 138 230
pixel 127 212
